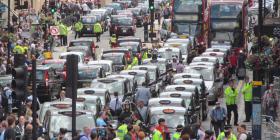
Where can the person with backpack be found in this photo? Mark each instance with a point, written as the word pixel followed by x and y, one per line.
pixel 242 133
pixel 218 117
pixel 86 134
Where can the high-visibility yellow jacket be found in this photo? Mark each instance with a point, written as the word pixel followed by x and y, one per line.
pixel 230 96
pixel 97 28
pixel 78 26
pixel 247 92
pixel 122 131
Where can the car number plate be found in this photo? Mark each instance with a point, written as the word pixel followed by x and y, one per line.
pixel 86 85
pixel 124 31
pixel 88 29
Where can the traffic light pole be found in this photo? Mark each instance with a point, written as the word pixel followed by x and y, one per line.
pixel 9 15
pixel 71 86
pixel 34 99
pixel 257 85
pixel 152 25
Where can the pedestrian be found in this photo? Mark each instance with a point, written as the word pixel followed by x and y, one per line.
pixel 97 29
pixel 242 133
pixel 156 134
pixel 63 34
pixel 142 110
pixel 122 129
pixel 10 133
pixel 62 96
pixel 115 105
pixel 136 120
pixel 162 127
pixel 28 132
pixel 101 124
pixel 209 135
pixel 93 136
pixel 20 127
pixel 143 94
pixel 126 112
pixel 4 125
pixel 247 94
pixel 8 98
pixel 61 135
pixel 28 110
pixel 227 134
pixel 180 67
pixel 177 134
pixel 232 62
pixel 86 133
pixel 78 28
pixel 130 135
pixel 113 41
pixel 218 117
pixel 141 135
pixel 230 95
pixel 272 105
pixel 174 63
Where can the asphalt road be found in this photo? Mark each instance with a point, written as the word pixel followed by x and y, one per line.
pixel 104 45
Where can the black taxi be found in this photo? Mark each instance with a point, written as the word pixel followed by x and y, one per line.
pixel 86 73
pixel 102 93
pixel 189 99
pixel 48 82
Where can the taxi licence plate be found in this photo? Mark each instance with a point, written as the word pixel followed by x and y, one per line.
pixel 88 29
pixel 124 31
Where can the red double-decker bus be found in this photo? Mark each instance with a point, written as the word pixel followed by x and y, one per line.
pixel 192 17
pixel 229 22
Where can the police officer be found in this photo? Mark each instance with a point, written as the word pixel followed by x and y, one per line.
pixel 113 40
pixel 177 134
pixel 78 28
pixel 227 134
pixel 230 95
pixel 63 34
pixel 247 93
pixel 134 61
pixel 97 29
pixel 156 134
pixel 122 129
pixel 18 49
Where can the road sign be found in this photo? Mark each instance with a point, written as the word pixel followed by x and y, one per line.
pixel 54 30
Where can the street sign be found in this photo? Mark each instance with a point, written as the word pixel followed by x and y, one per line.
pixel 54 30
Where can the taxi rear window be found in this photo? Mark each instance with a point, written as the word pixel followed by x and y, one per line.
pixel 80 43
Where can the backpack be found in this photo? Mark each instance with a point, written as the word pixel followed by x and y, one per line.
pixel 249 136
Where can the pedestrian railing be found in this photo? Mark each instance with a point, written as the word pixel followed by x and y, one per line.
pixel 271 129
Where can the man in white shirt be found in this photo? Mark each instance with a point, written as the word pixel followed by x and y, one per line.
pixel 115 105
pixel 242 134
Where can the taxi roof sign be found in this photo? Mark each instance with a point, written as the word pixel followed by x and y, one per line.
pixel 176 95
pixel 186 76
pixel 180 88
pixel 212 54
pixel 143 68
pixel 69 113
pixel 168 111
pixel 188 81
pixel 80 99
pixel 204 59
pixel 61 106
pixel 132 73
pixel 89 92
pixel 164 102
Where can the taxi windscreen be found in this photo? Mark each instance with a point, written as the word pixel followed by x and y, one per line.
pixel 168 54
pixel 65 121
pixel 56 66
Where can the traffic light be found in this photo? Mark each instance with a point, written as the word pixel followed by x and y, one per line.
pixel 17 4
pixel 19 73
pixel 52 6
pixel 151 5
